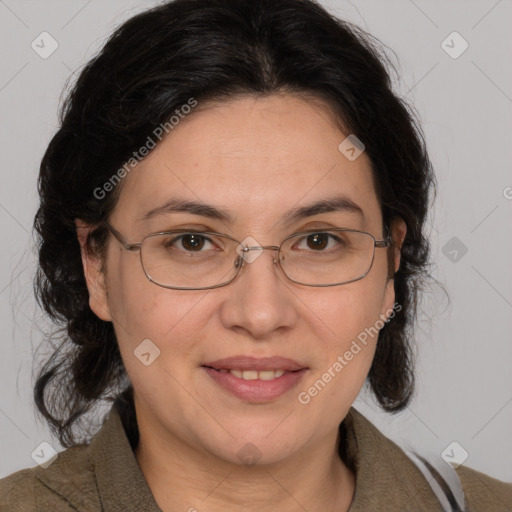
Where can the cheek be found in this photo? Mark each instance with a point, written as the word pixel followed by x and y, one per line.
pixel 346 311
pixel 139 306
pixel 171 320
pixel 347 321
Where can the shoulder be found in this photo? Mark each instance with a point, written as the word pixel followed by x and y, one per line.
pixel 389 478
pixel 68 483
pixel 484 492
pixel 17 492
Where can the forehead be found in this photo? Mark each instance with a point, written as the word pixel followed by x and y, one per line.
pixel 256 157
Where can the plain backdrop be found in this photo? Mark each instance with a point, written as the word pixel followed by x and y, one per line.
pixel 464 348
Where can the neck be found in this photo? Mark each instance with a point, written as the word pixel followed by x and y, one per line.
pixel 183 478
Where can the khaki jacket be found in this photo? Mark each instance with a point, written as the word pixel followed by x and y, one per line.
pixel 104 476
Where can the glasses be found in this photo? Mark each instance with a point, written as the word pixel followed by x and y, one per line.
pixel 185 259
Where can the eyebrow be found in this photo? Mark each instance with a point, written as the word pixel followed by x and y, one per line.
pixel 333 204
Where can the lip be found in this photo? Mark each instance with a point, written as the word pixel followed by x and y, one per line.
pixel 256 391
pixel 255 363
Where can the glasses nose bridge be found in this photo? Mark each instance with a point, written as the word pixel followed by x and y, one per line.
pixel 245 258
pixel 248 248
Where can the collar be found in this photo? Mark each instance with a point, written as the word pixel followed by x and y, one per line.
pixel 121 483
pixel 103 475
pixel 386 479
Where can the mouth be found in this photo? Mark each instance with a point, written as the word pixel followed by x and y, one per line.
pixel 250 363
pixel 252 374
pixel 253 379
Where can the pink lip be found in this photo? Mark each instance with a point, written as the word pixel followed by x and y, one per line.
pixel 256 390
pixel 255 363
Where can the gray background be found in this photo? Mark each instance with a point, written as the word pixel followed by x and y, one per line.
pixel 464 347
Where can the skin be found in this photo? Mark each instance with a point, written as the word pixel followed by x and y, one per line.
pixel 257 158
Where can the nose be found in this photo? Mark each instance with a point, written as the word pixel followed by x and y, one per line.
pixel 260 300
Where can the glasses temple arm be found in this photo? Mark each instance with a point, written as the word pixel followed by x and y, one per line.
pixel 120 238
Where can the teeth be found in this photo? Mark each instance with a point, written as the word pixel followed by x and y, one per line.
pixel 267 375
pixel 253 374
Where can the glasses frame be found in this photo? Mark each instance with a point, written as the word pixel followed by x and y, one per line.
pixel 387 242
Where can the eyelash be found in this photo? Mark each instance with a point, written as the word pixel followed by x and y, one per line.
pixel 334 238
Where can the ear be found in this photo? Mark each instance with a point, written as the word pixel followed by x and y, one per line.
pixel 398 230
pixel 93 272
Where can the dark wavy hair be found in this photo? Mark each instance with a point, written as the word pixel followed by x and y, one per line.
pixel 213 50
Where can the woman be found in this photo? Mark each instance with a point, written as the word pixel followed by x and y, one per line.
pixel 231 238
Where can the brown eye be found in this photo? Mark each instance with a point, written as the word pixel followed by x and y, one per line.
pixel 187 242
pixel 192 241
pixel 318 240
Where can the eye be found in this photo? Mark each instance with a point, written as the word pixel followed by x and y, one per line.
pixel 321 240
pixel 190 242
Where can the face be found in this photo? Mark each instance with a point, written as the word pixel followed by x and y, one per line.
pixel 256 159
